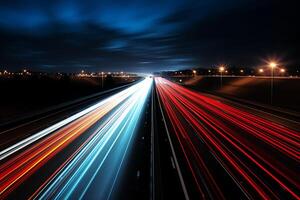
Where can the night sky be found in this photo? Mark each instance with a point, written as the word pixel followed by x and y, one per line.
pixel 145 36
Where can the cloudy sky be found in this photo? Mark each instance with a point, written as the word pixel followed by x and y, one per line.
pixel 146 35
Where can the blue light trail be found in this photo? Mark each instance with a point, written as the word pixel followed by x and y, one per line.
pixel 96 168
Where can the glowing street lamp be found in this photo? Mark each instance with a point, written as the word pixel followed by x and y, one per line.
pixel 221 69
pixel 273 64
pixel 282 70
pixel 261 71
pixel 194 72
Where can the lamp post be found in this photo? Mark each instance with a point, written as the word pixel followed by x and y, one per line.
pixel 194 72
pixel 272 65
pixel 102 73
pixel 221 70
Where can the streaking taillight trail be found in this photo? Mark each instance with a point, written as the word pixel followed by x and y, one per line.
pixel 251 149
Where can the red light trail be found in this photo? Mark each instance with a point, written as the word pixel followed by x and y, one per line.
pixel 261 156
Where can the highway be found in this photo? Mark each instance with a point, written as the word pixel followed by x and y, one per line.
pixel 226 151
pixel 74 156
pixel 153 139
pixel 13 131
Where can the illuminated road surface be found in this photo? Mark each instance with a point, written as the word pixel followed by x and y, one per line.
pixel 93 168
pixel 219 150
pixel 219 143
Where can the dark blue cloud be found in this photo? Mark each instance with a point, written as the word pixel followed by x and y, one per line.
pixel 137 35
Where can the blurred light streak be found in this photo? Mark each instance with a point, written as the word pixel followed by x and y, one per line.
pixel 107 147
pixel 16 147
pixel 250 148
pixel 19 167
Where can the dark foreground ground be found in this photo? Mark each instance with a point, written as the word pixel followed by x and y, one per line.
pixel 286 91
pixel 22 97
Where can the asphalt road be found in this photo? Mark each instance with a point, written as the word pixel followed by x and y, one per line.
pixel 152 141
pixel 103 152
pixel 13 131
pixel 228 150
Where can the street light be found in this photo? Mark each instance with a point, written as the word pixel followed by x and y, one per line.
pixel 282 70
pixel 221 70
pixel 102 73
pixel 261 71
pixel 194 72
pixel 272 65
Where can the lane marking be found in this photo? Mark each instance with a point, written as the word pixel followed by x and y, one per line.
pixel 152 170
pixel 174 155
pixel 172 161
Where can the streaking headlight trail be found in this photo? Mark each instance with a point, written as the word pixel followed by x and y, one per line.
pixel 115 98
pixel 92 170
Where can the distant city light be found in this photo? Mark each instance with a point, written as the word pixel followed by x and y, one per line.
pixel 242 71
pixel 261 70
pixel 282 70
